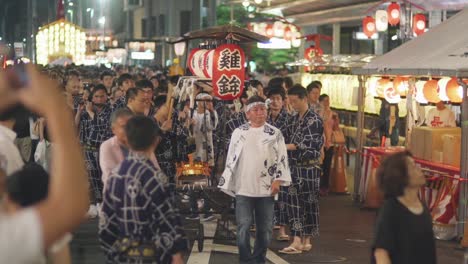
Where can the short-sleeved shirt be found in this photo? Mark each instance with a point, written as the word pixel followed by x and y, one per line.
pixel 21 237
pixel 408 238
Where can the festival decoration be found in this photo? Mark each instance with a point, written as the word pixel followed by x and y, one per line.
pixel 228 71
pixel 394 14
pixel 454 91
pixel 420 92
pixel 419 24
pixel 442 89
pixel 368 26
pixel 381 20
pixel 430 91
pixel 400 84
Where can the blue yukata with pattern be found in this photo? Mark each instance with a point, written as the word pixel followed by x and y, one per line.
pixel 172 148
pixel 236 120
pixel 139 222
pixel 94 131
pixel 303 193
pixel 281 214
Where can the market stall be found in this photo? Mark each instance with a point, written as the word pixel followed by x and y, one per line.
pixel 440 52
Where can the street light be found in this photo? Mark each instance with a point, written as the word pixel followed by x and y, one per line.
pixel 70 4
pixel 102 20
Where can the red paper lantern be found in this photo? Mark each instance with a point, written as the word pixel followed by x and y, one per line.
pixel 368 26
pixel 419 24
pixel 228 71
pixel 430 91
pixel 382 85
pixel 454 91
pixel 269 31
pixel 393 13
pixel 287 33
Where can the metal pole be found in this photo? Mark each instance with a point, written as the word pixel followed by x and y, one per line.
pixel 462 208
pixel 360 139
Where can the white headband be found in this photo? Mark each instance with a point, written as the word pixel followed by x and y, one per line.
pixel 252 105
pixel 203 96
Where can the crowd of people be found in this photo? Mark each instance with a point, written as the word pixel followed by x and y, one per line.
pixel 111 144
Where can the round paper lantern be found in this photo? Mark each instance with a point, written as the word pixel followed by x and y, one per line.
pixel 382 86
pixel 419 24
pixel 430 91
pixel 442 87
pixel 287 33
pixel 381 20
pixel 400 84
pixel 269 31
pixel 296 39
pixel 454 91
pixel 420 93
pixel 391 95
pixel 278 29
pixel 368 26
pixel 394 14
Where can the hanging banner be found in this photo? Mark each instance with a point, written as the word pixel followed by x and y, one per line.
pixel 228 71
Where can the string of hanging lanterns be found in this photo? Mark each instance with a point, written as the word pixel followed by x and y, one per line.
pixel 371 25
pixel 425 91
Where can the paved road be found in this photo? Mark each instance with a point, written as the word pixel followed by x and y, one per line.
pixel 346 234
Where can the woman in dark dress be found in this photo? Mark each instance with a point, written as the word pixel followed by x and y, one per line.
pixel 404 225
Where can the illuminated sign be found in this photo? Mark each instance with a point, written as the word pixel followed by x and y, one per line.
pixel 136 55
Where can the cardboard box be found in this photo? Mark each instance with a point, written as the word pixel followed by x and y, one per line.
pixel 451 149
pixel 426 142
pixel 417 142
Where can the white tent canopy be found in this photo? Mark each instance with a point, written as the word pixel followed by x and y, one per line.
pixel 442 51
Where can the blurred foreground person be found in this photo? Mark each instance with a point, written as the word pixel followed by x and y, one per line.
pixel 403 231
pixel 27 233
pixel 27 187
pixel 139 222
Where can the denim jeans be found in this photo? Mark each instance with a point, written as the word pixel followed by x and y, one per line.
pixel 246 207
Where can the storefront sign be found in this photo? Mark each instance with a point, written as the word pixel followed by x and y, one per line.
pixel 228 71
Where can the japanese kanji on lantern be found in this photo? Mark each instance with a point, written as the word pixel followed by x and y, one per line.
pixel 200 62
pixel 228 71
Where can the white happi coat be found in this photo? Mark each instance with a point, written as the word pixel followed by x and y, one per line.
pixel 275 167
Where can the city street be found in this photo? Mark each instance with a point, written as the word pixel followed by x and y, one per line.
pixel 345 237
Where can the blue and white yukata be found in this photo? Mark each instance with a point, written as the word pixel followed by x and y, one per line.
pixel 92 132
pixel 281 214
pixel 303 194
pixel 139 222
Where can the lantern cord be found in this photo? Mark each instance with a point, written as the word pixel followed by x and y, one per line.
pixel 374 7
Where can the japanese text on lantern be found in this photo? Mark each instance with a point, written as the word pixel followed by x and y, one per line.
pixel 230 60
pixel 229 85
pixel 228 71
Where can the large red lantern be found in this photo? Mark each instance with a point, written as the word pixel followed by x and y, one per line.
pixel 430 91
pixel 454 91
pixel 228 71
pixel 419 24
pixel 368 26
pixel 394 14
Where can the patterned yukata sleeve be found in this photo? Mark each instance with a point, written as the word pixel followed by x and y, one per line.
pixel 310 144
pixel 108 224
pixel 83 127
pixel 167 225
pixel 283 172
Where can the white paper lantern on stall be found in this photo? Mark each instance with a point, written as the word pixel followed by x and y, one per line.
pixel 420 92
pixel 381 20
pixel 442 87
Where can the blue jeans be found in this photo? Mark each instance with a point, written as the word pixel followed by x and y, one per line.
pixel 245 209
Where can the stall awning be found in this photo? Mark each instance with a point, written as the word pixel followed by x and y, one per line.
pixel 442 51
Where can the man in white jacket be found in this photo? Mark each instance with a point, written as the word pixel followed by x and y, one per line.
pixel 256 166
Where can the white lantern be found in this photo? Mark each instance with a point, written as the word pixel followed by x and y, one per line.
pixel 258 1
pixel 381 20
pixel 420 98
pixel 179 48
pixel 296 39
pixel 442 85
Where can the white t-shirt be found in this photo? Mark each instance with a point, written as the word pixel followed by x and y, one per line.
pixel 21 237
pixel 10 158
pixel 249 167
pixel 444 118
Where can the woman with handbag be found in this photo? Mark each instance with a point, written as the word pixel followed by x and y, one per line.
pixel 333 136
